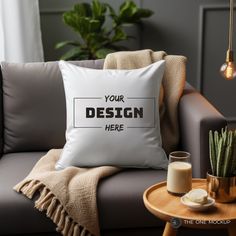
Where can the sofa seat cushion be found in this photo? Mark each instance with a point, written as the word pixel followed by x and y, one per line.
pixel 17 213
pixel 119 198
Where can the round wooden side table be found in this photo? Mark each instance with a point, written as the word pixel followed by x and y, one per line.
pixel 168 207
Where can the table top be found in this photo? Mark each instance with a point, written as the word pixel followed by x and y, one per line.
pixel 166 206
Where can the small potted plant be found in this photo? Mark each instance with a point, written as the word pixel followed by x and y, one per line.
pixel 221 182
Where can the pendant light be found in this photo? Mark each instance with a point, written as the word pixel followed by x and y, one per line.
pixel 228 69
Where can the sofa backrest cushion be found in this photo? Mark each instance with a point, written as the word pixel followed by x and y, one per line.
pixel 34 110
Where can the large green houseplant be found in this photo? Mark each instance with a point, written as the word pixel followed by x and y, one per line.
pixel 95 39
pixel 221 181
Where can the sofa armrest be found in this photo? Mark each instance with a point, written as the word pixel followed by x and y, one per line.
pixel 197 117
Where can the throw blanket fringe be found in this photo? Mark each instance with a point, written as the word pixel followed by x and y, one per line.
pixel 68 197
pixel 48 202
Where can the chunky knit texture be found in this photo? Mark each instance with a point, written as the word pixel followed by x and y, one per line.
pixel 68 197
pixel 171 90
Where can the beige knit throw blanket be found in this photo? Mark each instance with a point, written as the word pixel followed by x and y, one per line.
pixel 69 196
pixel 171 91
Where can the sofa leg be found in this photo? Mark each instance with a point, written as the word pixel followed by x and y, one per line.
pixel 169 230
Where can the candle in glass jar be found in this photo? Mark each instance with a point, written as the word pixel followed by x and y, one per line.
pixel 179 177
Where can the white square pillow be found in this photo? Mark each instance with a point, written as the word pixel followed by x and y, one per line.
pixel 112 117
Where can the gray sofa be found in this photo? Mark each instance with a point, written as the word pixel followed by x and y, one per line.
pixel 32 121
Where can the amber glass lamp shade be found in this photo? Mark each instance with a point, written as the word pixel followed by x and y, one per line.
pixel 227 70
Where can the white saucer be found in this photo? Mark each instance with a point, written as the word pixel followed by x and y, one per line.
pixel 197 206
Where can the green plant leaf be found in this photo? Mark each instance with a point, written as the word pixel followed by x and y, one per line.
pixel 70 19
pixel 80 24
pixel 75 54
pixel 119 35
pixel 233 164
pixel 83 9
pixel 94 26
pixel 212 152
pixel 143 13
pixel 99 10
pixel 127 10
pixel 65 43
pixel 97 41
pixel 83 26
pixel 79 18
pixel 220 158
pixel 130 13
pixel 127 7
pixel 101 53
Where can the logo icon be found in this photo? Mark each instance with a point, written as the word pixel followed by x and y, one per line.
pixel 175 222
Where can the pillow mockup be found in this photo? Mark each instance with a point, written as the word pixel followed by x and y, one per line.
pixel 112 117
